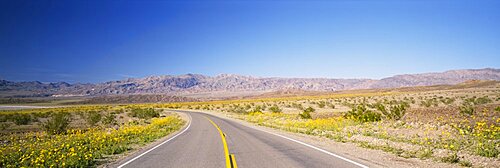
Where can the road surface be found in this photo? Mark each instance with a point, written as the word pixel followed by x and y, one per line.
pixel 201 145
pixel 18 107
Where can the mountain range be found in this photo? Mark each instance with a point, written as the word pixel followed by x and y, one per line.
pixel 227 84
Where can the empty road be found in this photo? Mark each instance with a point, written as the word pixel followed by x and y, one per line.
pixel 201 145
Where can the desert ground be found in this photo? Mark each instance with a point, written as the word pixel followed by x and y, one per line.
pixel 435 126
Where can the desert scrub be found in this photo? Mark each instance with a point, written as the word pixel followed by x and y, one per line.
pixel 92 118
pixel 452 158
pixel 80 148
pixel 17 118
pixel 58 123
pixel 306 114
pixel 144 113
pixel 467 108
pixel 109 119
pixel 395 112
pixel 275 109
pixel 478 100
pixel 429 102
pixel 362 114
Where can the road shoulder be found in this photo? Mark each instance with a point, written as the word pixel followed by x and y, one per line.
pixel 124 157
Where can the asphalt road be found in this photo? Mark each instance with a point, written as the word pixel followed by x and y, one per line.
pixel 200 145
pixel 17 107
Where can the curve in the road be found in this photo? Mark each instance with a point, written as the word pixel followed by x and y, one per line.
pixel 153 148
pixel 199 145
pixel 230 160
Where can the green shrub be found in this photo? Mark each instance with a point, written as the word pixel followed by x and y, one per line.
pixel 309 109
pixel 487 150
pixel 425 153
pixel 483 100
pixel 41 114
pixel 238 109
pixel 4 117
pixel 256 111
pixel 119 111
pixel 21 119
pixel 453 158
pixel 448 100
pixel 146 113
pixel 478 101
pixel 275 109
pixel 430 102
pixel 306 114
pixel 4 126
pixel 395 112
pixel 258 108
pixel 297 106
pixel 465 163
pixel 248 107
pixel 362 114
pixel 109 119
pixel 398 111
pixel 467 108
pixel 92 118
pixel 58 123
pixel 321 104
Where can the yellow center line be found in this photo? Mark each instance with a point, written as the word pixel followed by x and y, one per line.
pixel 233 161
pixel 230 160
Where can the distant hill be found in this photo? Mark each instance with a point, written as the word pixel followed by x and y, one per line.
pixel 464 85
pixel 193 84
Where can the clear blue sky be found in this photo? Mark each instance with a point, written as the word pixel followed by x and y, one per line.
pixel 94 41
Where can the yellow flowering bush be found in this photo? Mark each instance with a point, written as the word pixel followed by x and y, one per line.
pixel 290 122
pixel 477 137
pixel 79 148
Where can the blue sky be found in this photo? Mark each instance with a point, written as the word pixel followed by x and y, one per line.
pixel 97 41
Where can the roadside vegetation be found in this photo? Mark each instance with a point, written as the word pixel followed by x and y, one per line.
pixel 83 136
pixel 459 126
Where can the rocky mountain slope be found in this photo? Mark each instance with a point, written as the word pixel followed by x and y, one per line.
pixel 194 83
